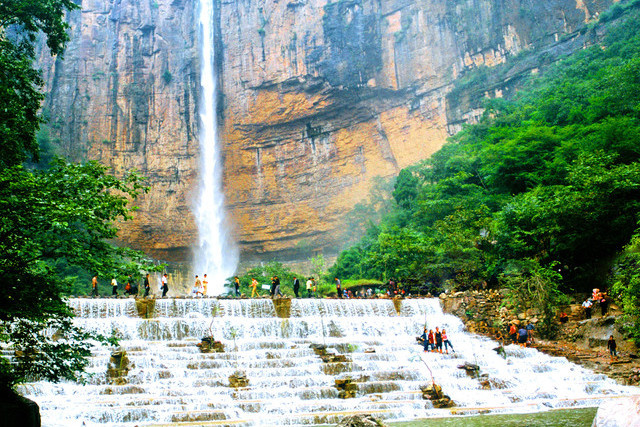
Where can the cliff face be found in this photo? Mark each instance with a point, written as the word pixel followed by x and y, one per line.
pixel 317 99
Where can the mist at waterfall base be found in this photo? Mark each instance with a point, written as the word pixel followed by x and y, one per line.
pixel 216 255
pixel 171 381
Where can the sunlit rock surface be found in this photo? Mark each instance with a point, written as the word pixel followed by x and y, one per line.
pixel 317 99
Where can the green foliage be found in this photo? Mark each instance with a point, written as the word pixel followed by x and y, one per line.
pixel 19 81
pixel 624 283
pixel 549 178
pixel 536 287
pixel 56 218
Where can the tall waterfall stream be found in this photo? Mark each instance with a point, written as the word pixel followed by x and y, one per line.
pixel 171 381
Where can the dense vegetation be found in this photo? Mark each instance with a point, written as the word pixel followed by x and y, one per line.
pixel 540 196
pixel 55 218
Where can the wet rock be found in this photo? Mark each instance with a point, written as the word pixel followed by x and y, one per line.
pixel 238 379
pixel 118 367
pixel 397 304
pixel 282 307
pixel 347 388
pixel 364 420
pixel 18 411
pixel 470 368
pixel 145 307
pixel 434 393
pixel 209 345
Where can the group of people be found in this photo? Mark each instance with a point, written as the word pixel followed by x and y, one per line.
pixel 200 286
pixel 597 297
pixel 131 287
pixel 435 341
pixel 522 335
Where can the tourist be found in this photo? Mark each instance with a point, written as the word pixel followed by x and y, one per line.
pixel 277 287
pixel 587 308
pixel 165 285
pixel 530 332
pixel 114 287
pixel 513 332
pixel 612 346
pixel 438 337
pixel 272 288
pixel 596 295
pixel 338 287
pixel 424 340
pixel 446 342
pixel 134 288
pixel 146 285
pixel 603 303
pixel 296 286
pixel 308 287
pixel 563 317
pixel 196 289
pixel 314 287
pixel 430 341
pixel 253 286
pixel 94 286
pixel 204 283
pixel 522 336
pixel 236 286
pixel 128 286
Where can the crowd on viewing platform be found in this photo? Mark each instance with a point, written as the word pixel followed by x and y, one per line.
pixel 307 289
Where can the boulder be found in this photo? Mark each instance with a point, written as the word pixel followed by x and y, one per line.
pixel 18 411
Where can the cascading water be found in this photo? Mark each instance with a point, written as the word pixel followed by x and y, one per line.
pixel 216 255
pixel 171 381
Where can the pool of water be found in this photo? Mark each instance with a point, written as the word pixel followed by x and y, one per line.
pixel 558 418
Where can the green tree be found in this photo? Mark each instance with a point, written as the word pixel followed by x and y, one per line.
pixel 63 215
pixel 66 212
pixel 20 82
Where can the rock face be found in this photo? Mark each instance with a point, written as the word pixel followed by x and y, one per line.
pixel 317 100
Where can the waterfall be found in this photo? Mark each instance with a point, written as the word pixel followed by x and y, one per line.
pixel 171 381
pixel 215 255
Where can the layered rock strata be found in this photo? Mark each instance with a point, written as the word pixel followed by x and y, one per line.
pixel 317 100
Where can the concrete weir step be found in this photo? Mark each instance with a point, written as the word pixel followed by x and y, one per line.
pixel 331 417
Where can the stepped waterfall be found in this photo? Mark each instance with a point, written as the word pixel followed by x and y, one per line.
pixel 170 381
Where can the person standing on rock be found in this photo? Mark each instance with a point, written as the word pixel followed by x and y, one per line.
pixel 296 286
pixel 276 287
pixel 253 286
pixel 165 285
pixel 146 285
pixel 587 308
pixel 430 341
pixel 197 285
pixel 114 287
pixel 204 283
pixel 603 303
pixel 513 332
pixel 522 336
pixel 612 346
pixel 94 286
pixel 338 287
pixel 308 287
pixel 438 336
pixel 236 286
pixel 446 342
pixel 530 332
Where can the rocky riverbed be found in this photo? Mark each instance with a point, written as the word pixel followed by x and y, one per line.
pixel 582 341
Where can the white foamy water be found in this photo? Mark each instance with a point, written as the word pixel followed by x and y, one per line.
pixel 215 255
pixel 172 382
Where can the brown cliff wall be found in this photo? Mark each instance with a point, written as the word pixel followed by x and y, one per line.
pixel 317 99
